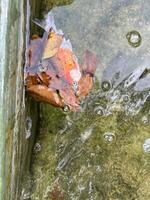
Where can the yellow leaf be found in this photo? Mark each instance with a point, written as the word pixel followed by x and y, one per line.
pixel 52 45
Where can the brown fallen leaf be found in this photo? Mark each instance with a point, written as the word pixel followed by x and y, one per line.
pixel 31 80
pixel 43 93
pixel 44 78
pixel 53 74
pixel 52 45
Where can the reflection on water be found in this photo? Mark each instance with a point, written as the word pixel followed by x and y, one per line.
pixel 102 152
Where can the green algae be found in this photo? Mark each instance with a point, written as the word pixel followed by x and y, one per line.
pixel 113 170
pixel 76 152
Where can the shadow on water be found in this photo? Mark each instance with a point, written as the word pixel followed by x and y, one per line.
pixel 102 152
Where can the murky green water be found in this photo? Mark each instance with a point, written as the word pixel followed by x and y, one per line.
pixel 102 152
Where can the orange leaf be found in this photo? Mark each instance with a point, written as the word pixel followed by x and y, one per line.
pixel 85 85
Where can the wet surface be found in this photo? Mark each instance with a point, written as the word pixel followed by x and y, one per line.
pixel 101 152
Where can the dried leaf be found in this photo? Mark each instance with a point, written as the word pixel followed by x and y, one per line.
pixel 44 78
pixel 31 80
pixel 52 45
pixel 85 85
pixel 43 93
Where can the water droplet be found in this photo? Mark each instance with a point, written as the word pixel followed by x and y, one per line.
pixel 134 38
pixel 106 86
pixel 109 137
pixel 66 108
pixel 126 98
pixel 75 86
pixel 28 127
pixel 146 146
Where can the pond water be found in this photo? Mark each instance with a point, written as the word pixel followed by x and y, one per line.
pixel 102 152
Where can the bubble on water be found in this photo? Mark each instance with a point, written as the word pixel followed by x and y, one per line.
pixel 134 38
pixel 145 120
pixel 146 146
pixel 37 147
pixel 106 86
pixel 99 110
pixel 126 98
pixel 66 108
pixel 75 86
pixel 28 127
pixel 109 137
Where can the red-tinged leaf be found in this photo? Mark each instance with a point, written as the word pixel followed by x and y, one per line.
pixel 68 62
pixel 89 63
pixel 85 85
pixel 43 93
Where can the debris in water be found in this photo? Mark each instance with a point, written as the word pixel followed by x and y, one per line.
pixel 52 64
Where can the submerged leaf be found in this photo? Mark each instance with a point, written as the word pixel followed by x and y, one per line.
pixel 89 63
pixel 68 62
pixel 52 73
pixel 52 45
pixel 43 93
pixel 85 85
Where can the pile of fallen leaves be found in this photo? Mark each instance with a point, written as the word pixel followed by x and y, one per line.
pixel 52 73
